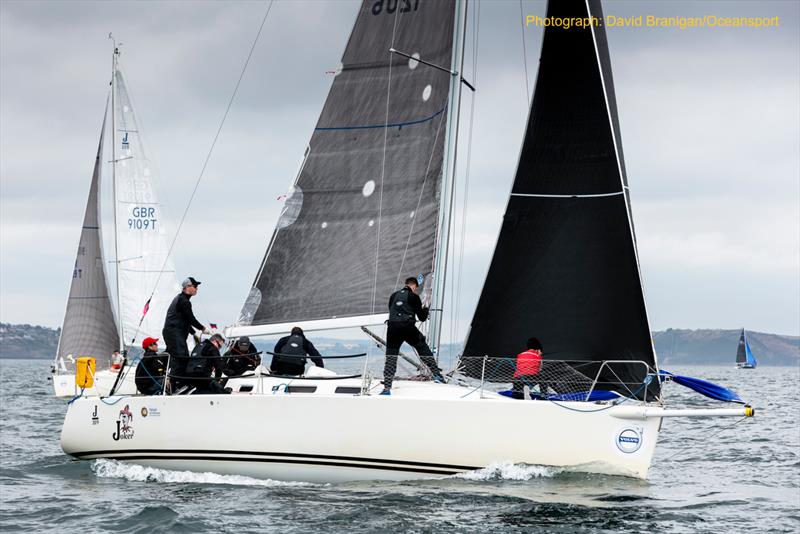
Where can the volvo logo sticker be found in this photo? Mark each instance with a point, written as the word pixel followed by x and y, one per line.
pixel 629 440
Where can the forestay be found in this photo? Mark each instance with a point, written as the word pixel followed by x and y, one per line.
pixel 89 328
pixel 565 267
pixel 362 214
pixel 142 233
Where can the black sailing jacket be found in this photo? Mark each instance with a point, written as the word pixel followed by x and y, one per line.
pixel 150 371
pixel 404 305
pixel 308 347
pixel 180 318
pixel 205 358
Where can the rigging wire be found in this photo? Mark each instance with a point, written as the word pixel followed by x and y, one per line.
pixel 455 316
pixel 707 438
pixel 207 159
pixel 524 54
pixel 419 202
pixel 383 162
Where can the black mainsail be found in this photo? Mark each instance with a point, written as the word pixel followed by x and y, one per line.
pixel 565 267
pixel 363 212
pixel 744 356
pixel 89 328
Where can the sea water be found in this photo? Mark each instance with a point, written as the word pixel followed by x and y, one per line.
pixel 708 475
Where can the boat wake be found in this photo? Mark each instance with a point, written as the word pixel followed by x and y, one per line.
pixel 511 471
pixel 136 473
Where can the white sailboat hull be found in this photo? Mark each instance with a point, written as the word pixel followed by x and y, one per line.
pixel 422 430
pixel 64 384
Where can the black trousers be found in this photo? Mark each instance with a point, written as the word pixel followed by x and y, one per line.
pixel 178 352
pixel 176 343
pixel 527 380
pixel 205 386
pixel 287 366
pixel 396 335
pixel 150 386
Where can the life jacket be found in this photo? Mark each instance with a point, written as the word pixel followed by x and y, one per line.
pixel 292 347
pixel 201 363
pixel 528 363
pixel 400 311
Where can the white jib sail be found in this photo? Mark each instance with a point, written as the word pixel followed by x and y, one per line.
pixel 143 235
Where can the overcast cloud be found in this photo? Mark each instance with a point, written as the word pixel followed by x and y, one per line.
pixel 710 124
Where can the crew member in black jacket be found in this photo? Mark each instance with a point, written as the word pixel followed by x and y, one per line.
pixel 291 352
pixel 151 369
pixel 404 307
pixel 204 362
pixel 178 325
pixel 242 357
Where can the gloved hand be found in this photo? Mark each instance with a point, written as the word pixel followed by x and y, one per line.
pixel 207 331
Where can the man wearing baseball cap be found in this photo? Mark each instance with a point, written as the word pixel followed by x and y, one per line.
pixel 205 362
pixel 178 325
pixel 151 369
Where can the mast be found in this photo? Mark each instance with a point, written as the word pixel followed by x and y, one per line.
pixel 449 176
pixel 114 187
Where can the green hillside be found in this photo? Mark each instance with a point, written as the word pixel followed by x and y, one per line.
pixel 674 347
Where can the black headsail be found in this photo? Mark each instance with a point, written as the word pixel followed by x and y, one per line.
pixel 363 212
pixel 565 268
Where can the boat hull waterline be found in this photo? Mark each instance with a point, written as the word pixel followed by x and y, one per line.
pixel 426 431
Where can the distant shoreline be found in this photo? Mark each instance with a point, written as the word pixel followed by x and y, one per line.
pixel 705 347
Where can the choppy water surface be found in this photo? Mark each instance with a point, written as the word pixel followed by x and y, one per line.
pixel 705 478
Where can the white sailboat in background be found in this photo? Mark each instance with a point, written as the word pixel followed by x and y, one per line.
pixel 372 204
pixel 110 310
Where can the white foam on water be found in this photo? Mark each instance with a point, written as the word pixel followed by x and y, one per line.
pixel 137 473
pixel 510 471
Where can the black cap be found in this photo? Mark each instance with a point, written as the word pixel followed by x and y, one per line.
pixel 190 282
pixel 244 341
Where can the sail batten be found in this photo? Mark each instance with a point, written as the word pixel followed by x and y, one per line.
pixel 565 267
pixel 363 210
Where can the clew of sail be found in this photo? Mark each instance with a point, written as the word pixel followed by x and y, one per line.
pixel 89 328
pixel 565 267
pixel 363 211
pixel 143 265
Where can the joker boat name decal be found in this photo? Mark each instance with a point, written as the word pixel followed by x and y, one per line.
pixel 124 428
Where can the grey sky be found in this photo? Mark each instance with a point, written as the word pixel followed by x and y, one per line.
pixel 710 122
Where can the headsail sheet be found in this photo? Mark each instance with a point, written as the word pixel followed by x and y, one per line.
pixel 89 328
pixel 565 267
pixel 142 231
pixel 362 214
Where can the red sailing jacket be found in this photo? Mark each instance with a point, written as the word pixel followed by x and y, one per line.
pixel 528 363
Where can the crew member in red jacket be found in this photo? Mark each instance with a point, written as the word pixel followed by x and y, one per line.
pixel 526 373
